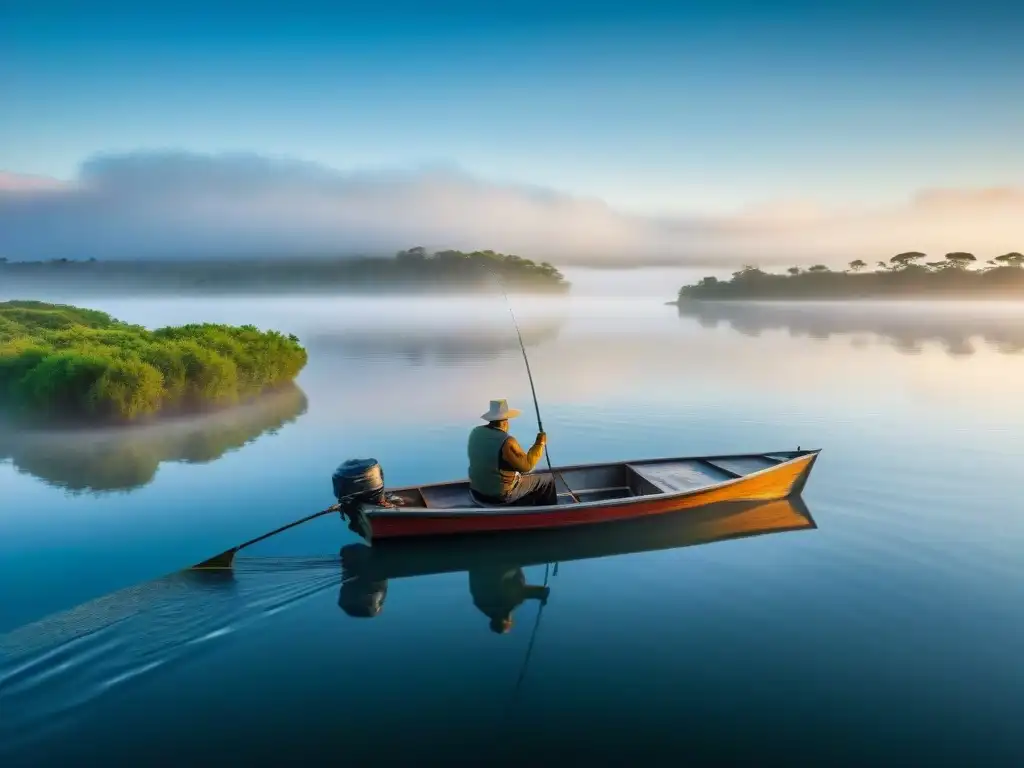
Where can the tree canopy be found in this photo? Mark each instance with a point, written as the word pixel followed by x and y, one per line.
pixel 1012 259
pixel 903 259
pixel 961 258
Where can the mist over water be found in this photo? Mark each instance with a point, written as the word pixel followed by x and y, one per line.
pixel 651 282
pixel 894 608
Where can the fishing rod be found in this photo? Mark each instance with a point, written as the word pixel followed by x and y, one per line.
pixel 533 390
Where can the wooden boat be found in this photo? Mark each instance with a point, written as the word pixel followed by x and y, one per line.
pixel 604 493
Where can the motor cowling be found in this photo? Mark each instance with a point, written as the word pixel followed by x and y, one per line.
pixel 360 480
pixel 357 482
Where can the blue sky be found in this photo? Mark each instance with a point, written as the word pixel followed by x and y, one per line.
pixel 652 107
pixel 644 128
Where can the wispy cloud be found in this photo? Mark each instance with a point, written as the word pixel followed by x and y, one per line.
pixel 18 182
pixel 184 205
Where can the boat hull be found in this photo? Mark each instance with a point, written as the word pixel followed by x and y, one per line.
pixel 786 478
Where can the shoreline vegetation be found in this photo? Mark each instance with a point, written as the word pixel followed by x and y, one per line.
pixel 68 366
pixel 410 271
pixel 905 276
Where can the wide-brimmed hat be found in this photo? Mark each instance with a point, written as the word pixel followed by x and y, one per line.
pixel 500 411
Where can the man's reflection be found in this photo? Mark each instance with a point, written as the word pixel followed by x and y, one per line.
pixel 496 591
pixel 499 590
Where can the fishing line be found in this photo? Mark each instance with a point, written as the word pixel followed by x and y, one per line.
pixel 533 636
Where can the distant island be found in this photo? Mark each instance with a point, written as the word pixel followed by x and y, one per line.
pixel 410 271
pixel 63 364
pixel 903 276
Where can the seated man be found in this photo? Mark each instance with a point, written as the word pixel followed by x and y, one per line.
pixel 496 463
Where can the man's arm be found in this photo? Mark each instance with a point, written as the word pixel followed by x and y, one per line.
pixel 519 460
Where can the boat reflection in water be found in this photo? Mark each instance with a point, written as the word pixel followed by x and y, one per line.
pixel 495 563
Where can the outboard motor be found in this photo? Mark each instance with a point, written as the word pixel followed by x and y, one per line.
pixel 358 482
pixel 363 586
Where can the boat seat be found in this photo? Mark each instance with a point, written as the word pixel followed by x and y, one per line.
pixel 458 496
pixel 455 496
pixel 682 475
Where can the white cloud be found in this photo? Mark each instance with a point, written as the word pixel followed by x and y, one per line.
pixel 176 204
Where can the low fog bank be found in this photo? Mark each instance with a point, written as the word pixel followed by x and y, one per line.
pixel 180 205
pixel 647 283
pixel 644 283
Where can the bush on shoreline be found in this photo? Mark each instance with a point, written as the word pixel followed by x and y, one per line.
pixel 63 363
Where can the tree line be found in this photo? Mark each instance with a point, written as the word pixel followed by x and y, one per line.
pixel 953 259
pixel 411 268
pixel 909 273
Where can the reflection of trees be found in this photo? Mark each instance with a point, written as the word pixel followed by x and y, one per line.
pixel 418 346
pixel 126 458
pixel 905 329
pixel 495 563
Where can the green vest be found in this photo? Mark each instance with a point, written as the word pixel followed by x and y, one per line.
pixel 489 474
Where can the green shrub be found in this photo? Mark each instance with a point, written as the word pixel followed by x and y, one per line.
pixel 169 360
pixel 58 361
pixel 210 377
pixel 17 357
pixel 59 384
pixel 126 390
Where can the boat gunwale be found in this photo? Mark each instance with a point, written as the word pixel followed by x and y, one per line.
pixel 485 511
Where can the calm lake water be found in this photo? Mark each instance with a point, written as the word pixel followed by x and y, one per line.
pixel 880 621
